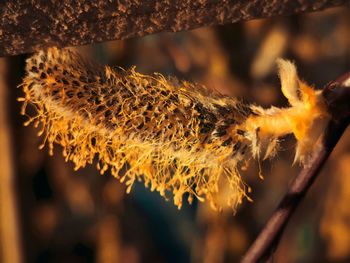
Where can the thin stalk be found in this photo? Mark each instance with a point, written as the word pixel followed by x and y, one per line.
pixel 337 95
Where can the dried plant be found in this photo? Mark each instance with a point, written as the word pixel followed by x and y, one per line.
pixel 175 136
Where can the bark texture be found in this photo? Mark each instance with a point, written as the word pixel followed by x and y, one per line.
pixel 26 26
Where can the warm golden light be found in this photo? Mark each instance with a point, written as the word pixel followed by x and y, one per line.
pixel 174 136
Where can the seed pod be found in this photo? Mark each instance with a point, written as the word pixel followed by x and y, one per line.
pixel 174 136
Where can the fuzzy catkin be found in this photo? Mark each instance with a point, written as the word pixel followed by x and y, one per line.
pixel 174 136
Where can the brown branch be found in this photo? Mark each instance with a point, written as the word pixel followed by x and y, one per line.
pixel 26 26
pixel 337 95
pixel 10 239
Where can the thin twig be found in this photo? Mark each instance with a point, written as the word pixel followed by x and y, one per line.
pixel 337 95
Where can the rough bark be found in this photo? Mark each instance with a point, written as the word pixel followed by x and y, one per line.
pixel 26 26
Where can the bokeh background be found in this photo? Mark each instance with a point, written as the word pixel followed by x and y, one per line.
pixel 67 216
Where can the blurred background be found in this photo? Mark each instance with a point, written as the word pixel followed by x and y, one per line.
pixel 58 215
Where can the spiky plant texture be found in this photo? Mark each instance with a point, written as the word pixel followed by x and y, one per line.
pixel 173 135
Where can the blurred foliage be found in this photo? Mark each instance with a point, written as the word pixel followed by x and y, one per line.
pixel 68 216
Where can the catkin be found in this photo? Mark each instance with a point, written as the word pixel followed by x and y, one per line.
pixel 175 136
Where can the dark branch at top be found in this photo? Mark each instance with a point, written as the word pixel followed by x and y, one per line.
pixel 26 26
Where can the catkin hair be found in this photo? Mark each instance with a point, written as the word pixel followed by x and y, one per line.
pixel 174 136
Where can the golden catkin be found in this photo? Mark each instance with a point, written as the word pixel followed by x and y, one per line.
pixel 174 136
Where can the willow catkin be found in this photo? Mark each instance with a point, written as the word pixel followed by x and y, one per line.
pixel 174 136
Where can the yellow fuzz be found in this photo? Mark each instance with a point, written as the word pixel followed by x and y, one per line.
pixel 175 136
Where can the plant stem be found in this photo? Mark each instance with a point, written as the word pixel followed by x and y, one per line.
pixel 10 236
pixel 337 95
